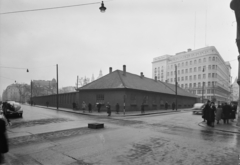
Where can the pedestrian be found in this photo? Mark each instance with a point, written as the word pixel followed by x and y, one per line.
pixel 108 106
pixel 117 108
pixel 89 107
pixel 83 106
pixel 142 108
pixel 173 106
pixel 226 113
pixel 219 113
pixel 3 141
pixel 212 114
pixel 233 112
pixel 6 106
pixel 99 107
pixel 205 111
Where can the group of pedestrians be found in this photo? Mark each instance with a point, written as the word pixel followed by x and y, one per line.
pixel 225 112
pixel 98 106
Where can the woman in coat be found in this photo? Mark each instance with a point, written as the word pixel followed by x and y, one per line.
pixel 219 113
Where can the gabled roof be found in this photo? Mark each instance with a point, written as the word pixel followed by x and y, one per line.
pixel 116 80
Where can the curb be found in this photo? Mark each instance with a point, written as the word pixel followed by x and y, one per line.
pixel 89 114
pixel 205 126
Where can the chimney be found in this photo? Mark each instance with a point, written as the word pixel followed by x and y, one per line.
pixel 141 75
pixel 189 50
pixel 110 70
pixel 124 69
pixel 155 78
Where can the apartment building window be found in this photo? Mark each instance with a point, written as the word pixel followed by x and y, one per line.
pixel 213 58
pixel 186 77
pixel 208 91
pixel 190 85
pixel 209 75
pixel 216 67
pixel 204 76
pixel 181 85
pixel 194 85
pixel 178 78
pixel 199 68
pixel 209 67
pixel 209 83
pixel 186 70
pixel 195 69
pixel 199 85
pixel 182 78
pixel 190 77
pixel 213 67
pixel 186 63
pixel 193 91
pixel 199 76
pixel 216 58
pixel 195 77
pixel 182 71
pixel 204 59
pixel 210 58
pixel 195 61
pixel 213 83
pixel 190 62
pixel 182 63
pixel 178 64
pixel 204 68
pixel 213 75
pixel 199 91
pixel 171 73
pixel 178 71
pixel 190 70
pixel 199 61
pixel 186 85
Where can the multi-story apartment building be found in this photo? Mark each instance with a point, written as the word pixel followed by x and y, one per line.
pixel 202 72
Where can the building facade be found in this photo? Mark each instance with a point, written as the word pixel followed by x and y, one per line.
pixel 202 72
pixel 235 91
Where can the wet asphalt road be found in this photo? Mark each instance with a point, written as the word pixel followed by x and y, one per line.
pixel 167 139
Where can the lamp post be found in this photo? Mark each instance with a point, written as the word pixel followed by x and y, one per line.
pixel 57 84
pixel 176 84
pixel 235 5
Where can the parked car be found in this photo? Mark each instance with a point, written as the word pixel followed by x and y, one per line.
pixel 12 108
pixel 198 108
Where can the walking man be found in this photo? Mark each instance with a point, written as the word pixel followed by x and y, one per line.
pixel 108 106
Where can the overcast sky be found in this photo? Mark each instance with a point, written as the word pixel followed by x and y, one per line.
pixel 83 41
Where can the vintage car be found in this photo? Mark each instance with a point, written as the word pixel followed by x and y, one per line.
pixel 197 108
pixel 12 108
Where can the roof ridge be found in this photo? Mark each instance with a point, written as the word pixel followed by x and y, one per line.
pixel 121 79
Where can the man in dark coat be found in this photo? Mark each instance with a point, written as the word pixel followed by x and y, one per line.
pixel 206 113
pixel 173 106
pixel 226 113
pixel 3 140
pixel 117 108
pixel 89 107
pixel 99 107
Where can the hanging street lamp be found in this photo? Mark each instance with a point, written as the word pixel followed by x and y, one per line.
pixel 102 8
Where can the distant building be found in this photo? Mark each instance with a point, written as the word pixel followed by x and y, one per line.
pixel 235 91
pixel 44 87
pixel 11 93
pixel 67 89
pixel 202 72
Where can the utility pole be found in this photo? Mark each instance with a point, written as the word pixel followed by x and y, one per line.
pixel 176 84
pixel 57 84
pixel 202 90
pixel 31 93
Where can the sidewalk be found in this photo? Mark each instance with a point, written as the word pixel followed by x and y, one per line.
pixel 231 127
pixel 114 114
